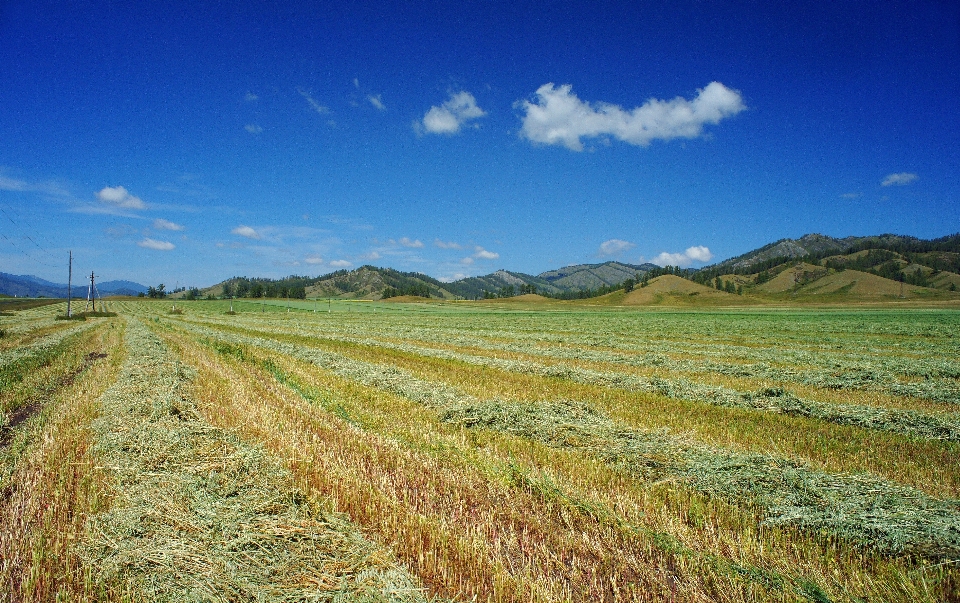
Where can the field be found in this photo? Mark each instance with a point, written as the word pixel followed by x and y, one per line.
pixel 367 451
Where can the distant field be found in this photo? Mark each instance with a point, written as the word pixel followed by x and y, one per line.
pixel 525 450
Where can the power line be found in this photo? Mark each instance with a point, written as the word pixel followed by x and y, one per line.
pixel 12 221
pixel 28 256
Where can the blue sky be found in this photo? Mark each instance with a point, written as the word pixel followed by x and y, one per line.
pixel 187 142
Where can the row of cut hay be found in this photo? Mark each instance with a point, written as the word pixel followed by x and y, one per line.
pixel 27 380
pixel 36 343
pixel 860 508
pixel 918 378
pixel 932 379
pixel 473 520
pixel 49 483
pixel 198 515
pixel 909 422
pixel 864 509
pixel 25 333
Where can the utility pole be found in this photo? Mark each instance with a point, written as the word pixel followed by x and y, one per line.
pixel 91 299
pixel 69 282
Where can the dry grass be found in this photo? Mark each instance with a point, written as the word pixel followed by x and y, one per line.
pixel 51 483
pixel 260 426
pixel 197 514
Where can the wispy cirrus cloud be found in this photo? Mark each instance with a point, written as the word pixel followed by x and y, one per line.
pixel 377 102
pixel 557 116
pixel 460 109
pixel 614 247
pixel 46 188
pixel 407 242
pixel 149 243
pixel 321 109
pixel 899 179
pixel 698 253
pixel 446 244
pixel 118 196
pixel 253 128
pixel 161 224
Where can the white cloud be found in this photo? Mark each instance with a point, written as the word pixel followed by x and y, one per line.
pixel 483 254
pixel 158 245
pixel 898 179
pixel 466 261
pixel 446 244
pixel 615 247
pixel 376 102
pixel 456 276
pixel 406 242
pixel 697 253
pixel 851 195
pixel 559 117
pixel 161 224
pixel 46 188
pixel 321 109
pixel 449 117
pixel 246 231
pixel 251 97
pixel 340 264
pixel 253 128
pixel 373 255
pixel 118 196
pixel 313 260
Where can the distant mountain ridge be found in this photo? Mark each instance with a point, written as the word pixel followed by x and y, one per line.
pixel 904 256
pixel 25 285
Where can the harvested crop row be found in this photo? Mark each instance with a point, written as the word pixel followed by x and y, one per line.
pixel 867 510
pixel 197 514
pixel 14 362
pixel 934 379
pixel 472 524
pixel 907 422
pixel 28 381
pixel 925 464
pixel 49 483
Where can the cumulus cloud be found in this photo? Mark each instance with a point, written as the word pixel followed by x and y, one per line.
pixel 340 264
pixel 415 243
pixel 698 253
pixel 446 244
pixel 161 224
pixel 615 247
pixel 321 109
pixel 253 128
pixel 376 102
pixel 449 117
pixel 559 117
pixel 154 244
pixel 246 231
pixel 466 261
pixel 898 179
pixel 483 254
pixel 313 260
pixel 456 276
pixel 118 196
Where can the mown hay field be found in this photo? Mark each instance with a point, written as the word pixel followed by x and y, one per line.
pixel 360 451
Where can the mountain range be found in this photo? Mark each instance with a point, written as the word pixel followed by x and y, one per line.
pixel 32 286
pixel 933 263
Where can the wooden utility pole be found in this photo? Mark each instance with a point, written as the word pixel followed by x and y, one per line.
pixel 69 282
